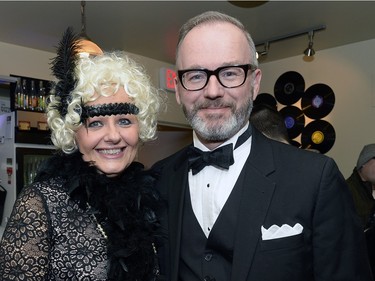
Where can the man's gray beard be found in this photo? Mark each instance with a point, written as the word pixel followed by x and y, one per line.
pixel 219 131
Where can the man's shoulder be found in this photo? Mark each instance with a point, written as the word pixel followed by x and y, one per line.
pixel 288 157
pixel 290 151
pixel 282 149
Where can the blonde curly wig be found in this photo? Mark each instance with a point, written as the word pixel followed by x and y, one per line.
pixel 102 76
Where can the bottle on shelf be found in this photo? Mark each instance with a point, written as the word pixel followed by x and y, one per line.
pixel 17 94
pixel 33 99
pixel 41 96
pixel 24 98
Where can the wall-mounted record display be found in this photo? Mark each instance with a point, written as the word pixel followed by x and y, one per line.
pixel 318 101
pixel 289 88
pixel 319 135
pixel 265 98
pixel 294 120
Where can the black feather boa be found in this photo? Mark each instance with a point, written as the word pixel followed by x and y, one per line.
pixel 126 208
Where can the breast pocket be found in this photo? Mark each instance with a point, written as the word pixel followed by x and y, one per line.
pixel 289 242
pixel 284 257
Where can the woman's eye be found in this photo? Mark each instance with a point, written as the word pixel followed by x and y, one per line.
pixel 124 122
pixel 94 124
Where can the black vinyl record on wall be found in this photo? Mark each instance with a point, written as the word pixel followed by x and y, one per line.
pixel 319 135
pixel 289 88
pixel 294 120
pixel 318 101
pixel 267 99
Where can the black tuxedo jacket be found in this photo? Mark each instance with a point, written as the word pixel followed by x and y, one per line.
pixel 284 185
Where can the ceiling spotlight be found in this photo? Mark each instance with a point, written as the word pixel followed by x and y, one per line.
pixel 264 52
pixel 85 46
pixel 310 51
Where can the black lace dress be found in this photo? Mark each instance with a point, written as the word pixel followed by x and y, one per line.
pixel 74 224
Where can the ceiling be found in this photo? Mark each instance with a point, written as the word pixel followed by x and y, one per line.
pixel 149 28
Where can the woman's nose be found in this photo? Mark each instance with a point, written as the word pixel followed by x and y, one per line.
pixel 112 134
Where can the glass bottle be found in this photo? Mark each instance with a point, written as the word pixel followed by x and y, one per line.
pixel 24 98
pixel 41 96
pixel 33 99
pixel 17 94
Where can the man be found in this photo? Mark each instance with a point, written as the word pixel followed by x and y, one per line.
pixel 362 183
pixel 269 122
pixel 270 211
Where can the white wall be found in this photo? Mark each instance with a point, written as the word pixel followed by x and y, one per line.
pixel 349 71
pixel 24 61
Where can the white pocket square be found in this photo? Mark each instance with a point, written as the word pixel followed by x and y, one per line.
pixel 285 230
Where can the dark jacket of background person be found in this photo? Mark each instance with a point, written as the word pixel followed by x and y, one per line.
pixel 362 195
pixel 361 185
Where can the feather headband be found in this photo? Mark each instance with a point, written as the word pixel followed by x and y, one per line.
pixel 63 68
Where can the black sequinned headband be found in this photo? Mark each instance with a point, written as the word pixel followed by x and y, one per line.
pixel 108 109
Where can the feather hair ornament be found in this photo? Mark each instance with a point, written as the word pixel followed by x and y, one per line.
pixel 63 68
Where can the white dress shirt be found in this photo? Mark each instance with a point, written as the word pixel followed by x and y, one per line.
pixel 211 187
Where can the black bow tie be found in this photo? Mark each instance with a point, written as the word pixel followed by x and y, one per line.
pixel 221 157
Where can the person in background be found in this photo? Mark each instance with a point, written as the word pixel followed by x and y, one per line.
pixel 362 183
pixel 362 187
pixel 90 213
pixel 269 121
pixel 241 206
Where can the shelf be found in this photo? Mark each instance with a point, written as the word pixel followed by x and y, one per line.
pixel 33 136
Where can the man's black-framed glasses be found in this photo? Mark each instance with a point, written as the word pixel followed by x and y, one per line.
pixel 228 76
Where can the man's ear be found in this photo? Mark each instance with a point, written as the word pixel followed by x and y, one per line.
pixel 256 82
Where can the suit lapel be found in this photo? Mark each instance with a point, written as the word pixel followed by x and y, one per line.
pixel 178 182
pixel 257 194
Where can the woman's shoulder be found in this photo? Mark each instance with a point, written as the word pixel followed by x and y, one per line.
pixel 43 189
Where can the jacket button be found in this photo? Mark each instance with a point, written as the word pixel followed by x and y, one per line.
pixel 208 257
pixel 209 278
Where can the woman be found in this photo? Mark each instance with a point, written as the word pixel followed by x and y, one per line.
pixel 90 213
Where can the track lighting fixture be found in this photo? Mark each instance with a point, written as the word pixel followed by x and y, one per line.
pixel 86 46
pixel 308 52
pixel 264 52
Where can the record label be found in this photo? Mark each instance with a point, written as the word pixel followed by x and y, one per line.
pixel 289 122
pixel 289 88
pixel 318 101
pixel 294 120
pixel 318 135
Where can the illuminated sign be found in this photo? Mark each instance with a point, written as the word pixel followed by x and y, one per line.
pixel 167 76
